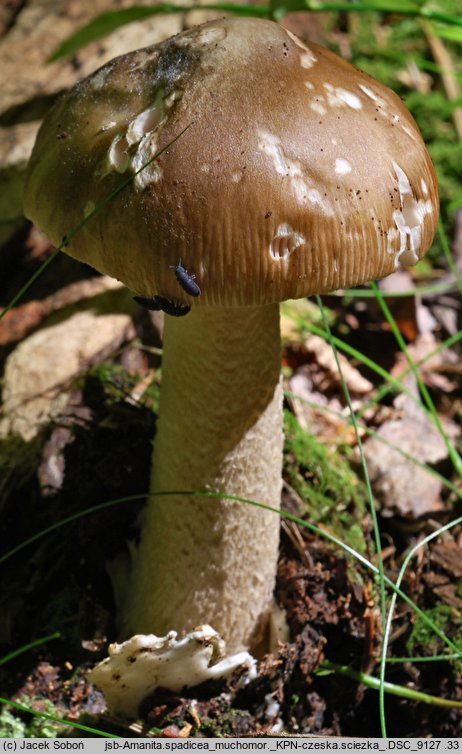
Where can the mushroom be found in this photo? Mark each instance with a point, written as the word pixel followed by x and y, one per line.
pixel 296 174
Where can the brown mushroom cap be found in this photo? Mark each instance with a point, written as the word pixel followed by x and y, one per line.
pixel 297 172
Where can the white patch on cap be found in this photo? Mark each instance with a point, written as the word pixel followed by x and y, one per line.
pixel 404 187
pixel 207 36
pixel 338 97
pixel 372 95
pixel 119 159
pixel 285 242
pixel 412 135
pixel 317 106
pixel 295 39
pixel 172 97
pixel 392 235
pixel 424 187
pixel 300 188
pixel 150 172
pixel 98 79
pixel 145 122
pixel 139 134
pixel 107 126
pixel 315 197
pixel 271 145
pixel 307 58
pixel 342 166
pixel 409 219
pixel 211 35
pixel 292 171
pixel 309 85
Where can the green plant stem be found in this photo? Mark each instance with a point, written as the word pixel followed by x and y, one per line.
pixel 30 645
pixel 373 433
pixel 448 255
pixel 373 512
pixel 390 688
pixel 394 382
pixel 30 282
pixel 387 630
pixel 111 20
pixel 384 390
pixel 452 452
pixel 233 498
pixel 433 289
pixel 54 718
pixel 412 10
pixel 431 658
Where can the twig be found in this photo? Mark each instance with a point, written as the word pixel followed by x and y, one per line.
pixel 442 56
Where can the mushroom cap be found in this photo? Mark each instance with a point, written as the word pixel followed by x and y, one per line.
pixel 296 173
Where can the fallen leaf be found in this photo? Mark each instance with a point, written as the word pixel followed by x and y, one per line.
pixel 323 354
pixel 444 588
pixel 431 370
pixel 448 555
pixel 405 487
pixel 18 322
pixel 39 372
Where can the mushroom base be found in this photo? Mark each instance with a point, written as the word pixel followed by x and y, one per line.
pixel 207 559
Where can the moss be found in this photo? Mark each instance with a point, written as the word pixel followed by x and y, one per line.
pixel 32 726
pixel 118 384
pixel 332 493
pixel 424 641
pixel 10 725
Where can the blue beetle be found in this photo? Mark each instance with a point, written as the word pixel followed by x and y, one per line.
pixel 186 280
pixel 159 303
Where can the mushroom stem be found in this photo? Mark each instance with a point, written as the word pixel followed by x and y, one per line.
pixel 219 429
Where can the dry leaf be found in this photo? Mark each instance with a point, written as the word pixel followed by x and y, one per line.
pixel 325 358
pixel 18 322
pixel 39 371
pixel 403 486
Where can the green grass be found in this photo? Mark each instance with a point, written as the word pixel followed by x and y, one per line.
pixel 332 494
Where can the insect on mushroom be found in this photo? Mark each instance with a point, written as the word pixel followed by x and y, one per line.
pixel 186 280
pixel 159 303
